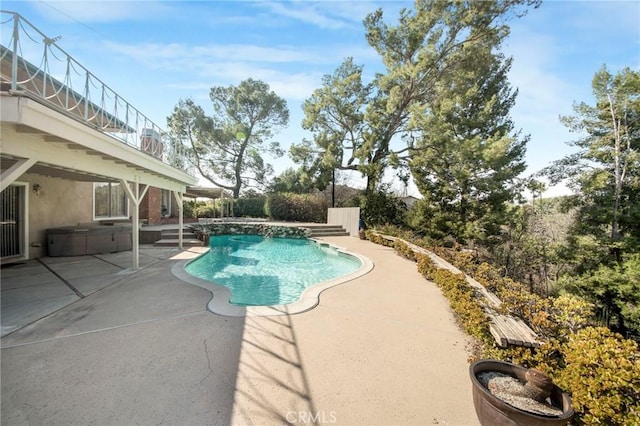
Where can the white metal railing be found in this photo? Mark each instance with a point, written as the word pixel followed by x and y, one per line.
pixel 32 63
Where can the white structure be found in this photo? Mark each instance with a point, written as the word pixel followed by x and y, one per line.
pixel 69 156
pixel 347 217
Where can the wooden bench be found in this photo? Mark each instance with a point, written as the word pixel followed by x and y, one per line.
pixel 505 329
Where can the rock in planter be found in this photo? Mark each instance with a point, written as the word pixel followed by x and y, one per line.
pixel 496 382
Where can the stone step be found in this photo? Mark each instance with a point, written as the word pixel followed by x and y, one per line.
pixel 330 233
pixel 327 230
pixel 187 242
pixel 175 235
pixel 323 226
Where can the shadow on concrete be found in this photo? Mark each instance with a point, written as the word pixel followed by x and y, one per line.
pixel 271 386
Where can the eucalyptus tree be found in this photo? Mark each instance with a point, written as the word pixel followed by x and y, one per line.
pixel 368 127
pixel 606 168
pixel 227 147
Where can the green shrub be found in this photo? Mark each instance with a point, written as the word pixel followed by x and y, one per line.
pixel 380 208
pixel 571 313
pixel 296 207
pixel 426 267
pixel 189 208
pixel 395 231
pixel 249 206
pixel 207 211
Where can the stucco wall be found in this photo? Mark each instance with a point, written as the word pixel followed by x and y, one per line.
pixel 60 203
pixel 348 217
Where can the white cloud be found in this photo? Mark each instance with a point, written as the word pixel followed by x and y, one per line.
pixel 334 15
pixel 309 13
pixel 292 72
pixel 179 55
pixel 90 11
pixel 297 86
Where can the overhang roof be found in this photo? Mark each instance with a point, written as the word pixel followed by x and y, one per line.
pixel 69 149
pixel 205 192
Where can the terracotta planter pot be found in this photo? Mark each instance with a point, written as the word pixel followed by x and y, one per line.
pixel 492 411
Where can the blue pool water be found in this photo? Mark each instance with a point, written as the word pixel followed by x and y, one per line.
pixel 269 271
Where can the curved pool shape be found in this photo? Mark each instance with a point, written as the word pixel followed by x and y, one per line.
pixel 270 272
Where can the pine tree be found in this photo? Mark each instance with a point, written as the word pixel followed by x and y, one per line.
pixel 466 158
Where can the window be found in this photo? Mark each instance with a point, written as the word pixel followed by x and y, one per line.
pixel 166 203
pixel 109 201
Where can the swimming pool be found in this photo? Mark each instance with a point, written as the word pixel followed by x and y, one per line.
pixel 270 271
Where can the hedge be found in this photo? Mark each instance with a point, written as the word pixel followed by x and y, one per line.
pixel 597 367
pixel 296 207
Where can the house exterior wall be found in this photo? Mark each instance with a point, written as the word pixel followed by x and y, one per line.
pixel 151 206
pixel 60 202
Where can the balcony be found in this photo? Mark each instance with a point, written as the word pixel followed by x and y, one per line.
pixel 29 60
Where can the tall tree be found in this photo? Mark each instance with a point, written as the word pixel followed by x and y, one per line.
pixel 335 115
pixel 293 180
pixel 368 123
pixel 227 147
pixel 606 168
pixel 467 160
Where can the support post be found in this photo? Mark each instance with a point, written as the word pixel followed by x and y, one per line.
pixel 135 197
pixel 15 171
pixel 135 231
pixel 179 199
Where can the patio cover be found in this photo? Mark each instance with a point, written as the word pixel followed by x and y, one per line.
pixel 38 138
pixel 206 192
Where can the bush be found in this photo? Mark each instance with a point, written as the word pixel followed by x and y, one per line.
pixel 404 250
pixel 603 375
pixel 207 211
pixel 249 206
pixel 374 237
pixel 296 208
pixel 464 303
pixel 597 367
pixel 189 208
pixel 379 208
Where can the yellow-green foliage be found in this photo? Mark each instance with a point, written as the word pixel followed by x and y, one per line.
pixel 571 312
pixel 426 267
pixel 463 260
pixel 374 237
pixel 404 250
pixel 599 369
pixel 603 374
pixel 488 276
pixel 395 231
pixel 461 297
pixel 519 302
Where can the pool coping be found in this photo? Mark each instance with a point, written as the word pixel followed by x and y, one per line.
pixel 310 298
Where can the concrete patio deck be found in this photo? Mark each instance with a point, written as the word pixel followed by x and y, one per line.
pixel 119 347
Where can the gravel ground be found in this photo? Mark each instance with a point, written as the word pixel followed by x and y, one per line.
pixel 512 391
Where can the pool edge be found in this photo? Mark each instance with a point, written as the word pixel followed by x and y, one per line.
pixel 309 299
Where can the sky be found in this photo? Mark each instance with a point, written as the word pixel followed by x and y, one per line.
pixel 155 53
